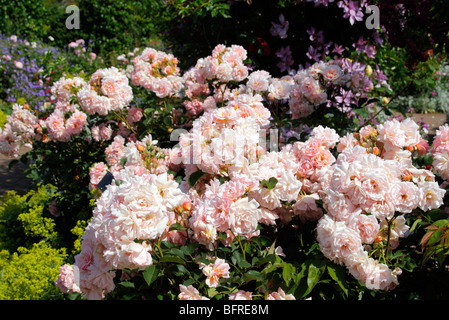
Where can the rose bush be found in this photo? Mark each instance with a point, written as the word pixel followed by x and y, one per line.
pixel 241 177
pixel 246 204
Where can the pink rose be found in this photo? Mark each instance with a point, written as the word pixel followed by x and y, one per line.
pixel 215 271
pixel 66 280
pixel 280 295
pixel 189 293
pixel 366 225
pixel 241 295
pixel 18 64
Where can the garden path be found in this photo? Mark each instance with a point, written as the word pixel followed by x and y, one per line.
pixel 14 178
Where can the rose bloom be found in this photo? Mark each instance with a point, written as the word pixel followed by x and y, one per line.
pixel 246 216
pixel 56 127
pixel 258 81
pixel 380 278
pixel 328 137
pixel 134 115
pixel 441 163
pixel 241 295
pixel 136 255
pixel 399 229
pixel 441 137
pixel 224 72
pixel 323 158
pixel 332 73
pixel 215 271
pixel 405 196
pixel 18 64
pixel 366 132
pixel 75 124
pixel 337 204
pixel 431 195
pixel 189 293
pixel 338 242
pixel 66 279
pixel 280 295
pixel 374 275
pixel 307 208
pixel 239 72
pixel 53 208
pixel 366 225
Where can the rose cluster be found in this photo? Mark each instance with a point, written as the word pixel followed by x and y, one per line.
pixel 157 72
pixel 367 193
pixel 440 152
pixel 73 108
pixel 232 180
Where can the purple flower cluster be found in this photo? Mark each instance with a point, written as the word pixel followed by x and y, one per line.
pixel 352 10
pixel 22 70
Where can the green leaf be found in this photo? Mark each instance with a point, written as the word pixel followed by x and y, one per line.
pixel 151 273
pixel 238 259
pixel 314 270
pixel 176 226
pixel 194 177
pixel 172 259
pixel 270 184
pixel 253 275
pixel 263 260
pixel 127 284
pixel 288 272
pixel 314 275
pixel 415 224
pixel 362 112
pixel 337 273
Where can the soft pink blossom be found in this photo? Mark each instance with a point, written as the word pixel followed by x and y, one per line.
pixel 66 280
pixel 280 295
pixel 190 293
pixel 215 271
pixel 241 295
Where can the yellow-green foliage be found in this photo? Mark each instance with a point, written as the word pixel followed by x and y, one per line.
pixel 78 231
pixel 22 218
pixel 29 274
pixel 2 119
pixel 34 225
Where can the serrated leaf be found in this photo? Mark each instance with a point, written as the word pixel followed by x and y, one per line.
pixel 314 272
pixel 337 273
pixel 150 274
pixel 313 276
pixel 288 272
